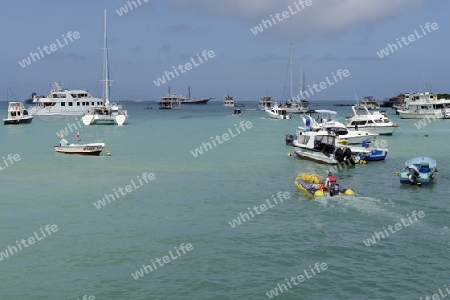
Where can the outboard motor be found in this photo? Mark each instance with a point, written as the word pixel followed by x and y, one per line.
pixel 339 155
pixel 290 139
pixel 413 174
pixel 334 189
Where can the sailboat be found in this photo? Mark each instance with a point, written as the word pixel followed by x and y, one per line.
pixel 293 106
pixel 109 113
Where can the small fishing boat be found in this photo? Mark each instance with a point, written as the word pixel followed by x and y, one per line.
pixel 237 112
pixel 418 171
pixel 17 114
pixel 321 146
pixel 278 112
pixel 368 153
pixel 315 186
pixel 83 149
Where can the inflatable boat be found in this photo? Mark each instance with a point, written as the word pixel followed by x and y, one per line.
pixel 315 186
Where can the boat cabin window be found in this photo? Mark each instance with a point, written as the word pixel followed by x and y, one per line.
pixel 304 139
pixel 78 103
pixel 74 95
pixel 70 103
pixel 63 103
pixel 59 95
pixel 327 139
pixel 92 103
pixel 358 123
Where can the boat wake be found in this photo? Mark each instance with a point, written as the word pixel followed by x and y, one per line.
pixel 367 205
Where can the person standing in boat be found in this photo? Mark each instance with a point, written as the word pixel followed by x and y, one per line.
pixel 330 180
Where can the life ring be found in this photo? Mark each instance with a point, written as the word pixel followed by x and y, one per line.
pixel 16 108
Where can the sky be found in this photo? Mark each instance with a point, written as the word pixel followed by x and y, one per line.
pixel 153 36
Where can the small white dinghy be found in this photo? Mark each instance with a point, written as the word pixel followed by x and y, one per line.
pixel 83 149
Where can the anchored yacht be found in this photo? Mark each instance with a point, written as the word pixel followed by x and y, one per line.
pixel 64 102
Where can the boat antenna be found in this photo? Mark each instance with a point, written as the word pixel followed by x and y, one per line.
pixel 323 98
pixel 189 92
pixel 356 97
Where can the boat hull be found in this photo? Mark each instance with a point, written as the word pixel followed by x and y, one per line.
pixel 316 156
pixel 86 149
pixel 17 121
pixel 409 115
pixel 104 120
pixel 368 154
pixel 380 130
pixel 297 110
pixel 356 137
pixel 195 101
pixel 278 116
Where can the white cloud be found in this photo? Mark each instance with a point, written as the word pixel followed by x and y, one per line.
pixel 322 18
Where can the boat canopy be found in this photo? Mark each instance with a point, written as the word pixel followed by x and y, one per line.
pixel 63 142
pixel 325 111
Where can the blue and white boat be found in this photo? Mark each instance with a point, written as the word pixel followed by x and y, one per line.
pixel 368 153
pixel 418 171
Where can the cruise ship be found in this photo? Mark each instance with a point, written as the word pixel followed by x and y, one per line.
pixel 64 102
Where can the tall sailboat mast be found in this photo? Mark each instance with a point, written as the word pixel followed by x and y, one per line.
pixel 105 63
pixel 301 81
pixel 291 63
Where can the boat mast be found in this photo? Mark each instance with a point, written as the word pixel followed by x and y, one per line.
pixel 291 68
pixel 105 63
pixel 301 82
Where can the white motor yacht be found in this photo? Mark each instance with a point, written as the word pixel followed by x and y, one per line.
pixel 63 102
pixel 326 120
pixel 373 122
pixel 17 114
pixel 278 112
pixel 424 105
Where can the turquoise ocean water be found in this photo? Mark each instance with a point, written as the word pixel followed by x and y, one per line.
pixel 193 199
